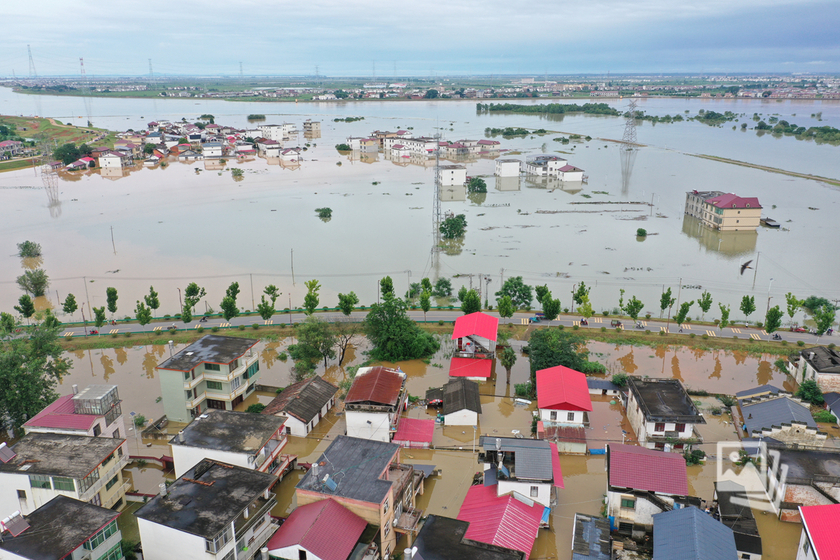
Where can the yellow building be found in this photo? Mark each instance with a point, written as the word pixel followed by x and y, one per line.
pixel 724 211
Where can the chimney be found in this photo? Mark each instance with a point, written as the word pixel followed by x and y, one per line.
pixel 247 513
pixel 162 487
pixel 264 553
pixel 181 436
pixel 407 554
pixel 811 355
pixel 75 389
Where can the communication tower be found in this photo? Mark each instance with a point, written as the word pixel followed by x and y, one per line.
pixel 32 72
pixel 629 147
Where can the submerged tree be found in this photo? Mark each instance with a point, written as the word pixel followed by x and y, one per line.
pixel 310 300
pixel 508 358
pixel 34 282
pixel 347 302
pixel 111 297
pixel 29 249
pixel 394 336
pixel 70 306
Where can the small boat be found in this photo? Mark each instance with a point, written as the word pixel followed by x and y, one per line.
pixel 767 222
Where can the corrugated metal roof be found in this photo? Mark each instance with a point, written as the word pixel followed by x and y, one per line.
pixel 315 527
pixel 478 323
pixel 378 385
pixel 61 414
pixel 303 400
pixel 730 200
pixel 591 538
pixel 532 456
pixel 821 523
pixel 415 429
pixel 690 534
pixel 470 367
pixel 629 466
pixel 501 521
pixel 562 388
pixel 556 471
pixel 757 391
pixel 460 394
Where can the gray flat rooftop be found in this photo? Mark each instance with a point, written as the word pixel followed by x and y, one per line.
pixel 52 535
pixel 808 464
pixel 664 400
pixel 591 538
pixel 532 456
pixel 210 348
pixel 226 430
pixel 355 465
pixel 203 502
pixel 824 360
pixel 757 392
pixel 442 538
pixel 59 454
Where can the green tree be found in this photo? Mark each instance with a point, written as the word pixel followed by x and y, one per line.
pixel 810 392
pixel 348 302
pixel 665 301
pixel 426 285
pixel 793 305
pixel 99 318
pixel 477 185
pixel 34 282
pixel 431 94
pixel 149 149
pixel 747 305
pixel 621 307
pixel 508 358
pixel 111 297
pixel 315 341
pixel 551 307
pixel 506 308
pixel 310 300
pixel 345 332
pixel 394 336
pixel 824 317
pixel 425 303
pixel 462 293
pixel 272 292
pixel 585 307
pixel 50 320
pixel 520 293
pixel 152 300
pixel 620 379
pixel 685 307
pixel 255 408
pixel 705 302
pixel 229 308
pixel 186 315
pixel 724 315
pixel 579 293
pixel 454 226
pixel 443 287
pixel 25 306
pixel 552 347
pixel 29 249
pixel 471 302
pixel 143 313
pixel 192 295
pixel 67 153
pixel 232 290
pixel 541 292
pixel 70 306
pixel 265 308
pixel 386 286
pixel 773 320
pixel 633 308
pixel 30 368
pixel 7 324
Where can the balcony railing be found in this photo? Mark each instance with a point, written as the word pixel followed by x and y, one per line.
pixel 218 376
pixel 252 545
pixel 88 494
pixel 119 494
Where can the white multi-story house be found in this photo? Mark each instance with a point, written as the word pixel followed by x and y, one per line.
pixel 40 467
pixel 528 467
pixel 822 364
pixel 374 403
pixel 507 167
pixel 662 414
pixel 452 175
pixel 544 166
pixel 215 510
pixel 273 132
pixel 62 528
pixel 564 405
pixel 212 150
pixel 425 146
pixel 96 411
pixel 364 145
pixel 303 404
pixel 213 372
pixel 253 441
pixel 310 127
pixel 111 160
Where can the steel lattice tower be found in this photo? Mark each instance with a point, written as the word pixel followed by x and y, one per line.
pixel 50 180
pixel 32 72
pixel 629 147
pixel 630 125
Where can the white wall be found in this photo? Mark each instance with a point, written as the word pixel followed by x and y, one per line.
pixel 562 416
pixel 186 457
pixel 110 162
pixel 462 417
pixel 292 553
pixel 524 488
pixel 507 169
pixel 800 550
pixel 643 512
pixel 163 543
pixel 378 429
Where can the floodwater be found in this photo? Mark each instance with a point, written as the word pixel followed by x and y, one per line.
pixel 175 225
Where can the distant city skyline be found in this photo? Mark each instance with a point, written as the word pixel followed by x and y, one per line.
pixel 388 39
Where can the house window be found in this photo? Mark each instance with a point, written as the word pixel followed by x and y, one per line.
pixel 21 494
pixel 806 548
pixel 114 554
pixel 62 483
pixel 100 537
pixel 660 446
pixel 552 415
pixel 212 367
pixel 680 427
pixel 39 481
pixel 628 503
pixel 186 376
pixel 97 430
pixel 214 386
pixel 535 491
pixel 625 528
pixel 96 500
pixel 117 435
pixel 745 556
pixel 387 530
pixel 570 417
pixel 659 427
pixel 219 542
pixel 89 481
pixel 385 507
pixel 301 554
pixel 234 385
pixel 110 484
pixel 679 446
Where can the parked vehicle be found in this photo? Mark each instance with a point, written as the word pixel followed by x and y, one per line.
pixel 615 323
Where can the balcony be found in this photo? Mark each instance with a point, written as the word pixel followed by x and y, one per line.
pixel 119 494
pixel 408 520
pixel 88 494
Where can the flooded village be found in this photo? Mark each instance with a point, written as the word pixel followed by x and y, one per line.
pixel 496 441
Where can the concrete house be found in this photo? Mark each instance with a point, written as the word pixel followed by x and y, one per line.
pixel 570 174
pixel 564 405
pixel 311 127
pixel 252 441
pixel 802 477
pixel 309 533
pixel 212 150
pixel 723 211
pixel 733 510
pixel 821 364
pixel 819 533
pixel 366 477
pixel 290 155
pixel 213 372
pixel 507 167
pixel 641 483
pixel 364 145
pixel 781 417
pixel 40 467
pixel 96 411
pixel 475 337
pixel 62 528
pixel 452 175
pixel 528 467
pixel 111 160
pixel 374 403
pixel 690 534
pixel 214 510
pixel 662 414
pixel 460 400
pixel 544 165
pixel 303 404
pixel 444 538
pixel 509 521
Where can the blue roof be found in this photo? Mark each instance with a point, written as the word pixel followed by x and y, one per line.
pixel 832 401
pixel 766 414
pixel 760 390
pixel 602 384
pixel 690 534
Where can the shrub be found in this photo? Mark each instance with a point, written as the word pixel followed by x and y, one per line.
pixel 641 232
pixel 255 408
pixel 780 363
pixel 114 335
pixel 727 401
pixel 127 335
pixel 647 331
pixel 605 313
pixel 832 345
pixel 215 329
pixel 800 343
pixel 523 390
pixel 440 322
pixel 575 327
pixel 139 420
pixel 593 367
pixel 167 316
pixel 694 457
pixel 603 329
pixel 692 335
pixel 647 316
pixel 158 333
pixel 825 416
pixel 810 392
pixel 241 327
pixel 199 330
pixel 620 379
pixel 705 337
pixel 661 333
pixel 255 326
pixel 561 327
pixel 784 343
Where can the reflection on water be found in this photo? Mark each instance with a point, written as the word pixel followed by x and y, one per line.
pixel 728 243
pixel 507 183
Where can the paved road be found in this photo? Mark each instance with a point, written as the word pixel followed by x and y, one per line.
pixel 653 325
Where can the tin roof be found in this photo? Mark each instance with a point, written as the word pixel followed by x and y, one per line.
pixel 376 385
pixel 562 388
pixel 313 527
pixel 415 429
pixel 478 323
pixel 821 524
pixel 690 534
pixel 629 466
pixel 303 400
pixel 500 520
pixel 61 414
pixel 470 367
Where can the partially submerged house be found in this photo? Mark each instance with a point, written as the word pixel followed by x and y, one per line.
pixel 690 534
pixel 323 530
pixel 733 510
pixel 303 404
pixel 444 538
pixel 800 477
pixel 507 167
pixel 374 403
pixel 822 364
pixel 415 433
pixel 460 400
pixel 819 533
pixel 529 467
pixel 662 414
pixel 475 337
pixel 781 417
pixel 510 521
pixel 564 403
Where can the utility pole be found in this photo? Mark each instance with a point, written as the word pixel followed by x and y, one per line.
pixel 755 272
pixel 768 299
pixel 253 305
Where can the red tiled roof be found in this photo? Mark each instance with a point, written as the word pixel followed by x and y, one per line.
pixel 415 429
pixel 734 201
pixel 470 367
pixel 501 521
pixel 488 142
pixel 556 471
pixel 379 385
pixel 562 388
pixel 647 469
pixel 478 323
pixel 326 529
pixel 821 523
pixel 61 414
pixel 566 168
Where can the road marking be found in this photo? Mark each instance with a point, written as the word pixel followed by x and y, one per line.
pixel 755 336
pixel 643 323
pixel 68 334
pixel 663 329
pixel 269 322
pixel 736 331
pixel 596 320
pixel 198 326
pixel 685 326
pixel 224 325
pixel 523 321
pixel 575 323
pixel 114 331
pixel 765 333
pixel 157 328
pixel 711 333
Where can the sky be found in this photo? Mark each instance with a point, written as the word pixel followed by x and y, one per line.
pixel 390 38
